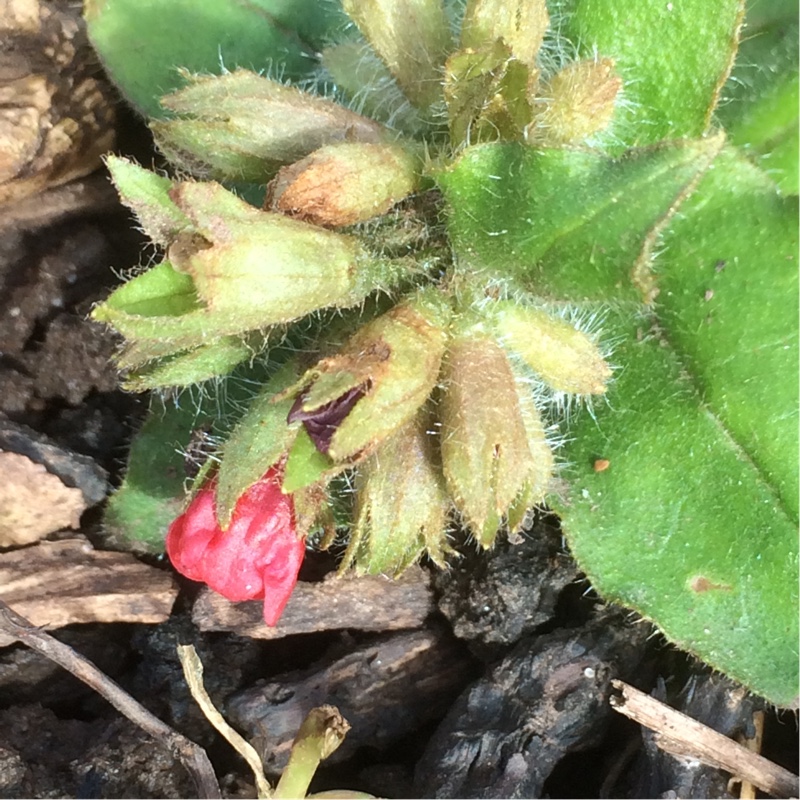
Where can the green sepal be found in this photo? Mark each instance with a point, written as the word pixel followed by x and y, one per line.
pixel 260 439
pixel 401 504
pixel 147 194
pixel 211 360
pixel 305 464
pixel 487 95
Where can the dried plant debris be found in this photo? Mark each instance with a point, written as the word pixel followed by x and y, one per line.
pixel 56 117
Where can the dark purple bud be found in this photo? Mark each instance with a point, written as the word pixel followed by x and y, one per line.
pixel 321 423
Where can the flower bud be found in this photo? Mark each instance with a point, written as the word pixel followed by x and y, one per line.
pixel 486 455
pixel 521 24
pixel 577 103
pixel 343 184
pixel 401 504
pixel 487 94
pixel 360 74
pixel 258 556
pixel 353 400
pixel 241 126
pixel 564 357
pixel 254 268
pixel 411 37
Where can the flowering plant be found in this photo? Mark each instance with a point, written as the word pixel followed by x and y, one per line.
pixel 461 221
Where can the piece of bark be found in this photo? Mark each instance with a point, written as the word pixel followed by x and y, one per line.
pixel 367 603
pixel 60 583
pixel 43 487
pixel 548 697
pixel 34 502
pixel 94 194
pixel 56 111
pixel 72 469
pixel 384 690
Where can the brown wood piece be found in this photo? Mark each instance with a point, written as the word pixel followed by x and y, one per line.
pixel 385 690
pixel 683 736
pixel 367 603
pixel 59 583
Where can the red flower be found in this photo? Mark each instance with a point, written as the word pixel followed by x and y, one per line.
pixel 258 556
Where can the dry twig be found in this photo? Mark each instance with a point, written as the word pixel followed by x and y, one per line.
pixel 192 756
pixel 683 736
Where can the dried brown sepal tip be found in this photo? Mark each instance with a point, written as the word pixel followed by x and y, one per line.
pixel 344 184
pixel 576 103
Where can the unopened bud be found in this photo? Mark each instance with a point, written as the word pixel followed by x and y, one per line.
pixel 487 93
pixel 241 126
pixel 352 401
pixel 401 504
pixel 411 37
pixel 485 452
pixel 343 184
pixel 521 24
pixel 576 103
pixel 260 268
pixel 564 357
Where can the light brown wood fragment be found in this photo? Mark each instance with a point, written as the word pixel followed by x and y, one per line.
pixel 683 736
pixel 368 603
pixel 34 502
pixel 60 583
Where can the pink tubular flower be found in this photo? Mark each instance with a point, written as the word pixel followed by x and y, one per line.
pixel 258 556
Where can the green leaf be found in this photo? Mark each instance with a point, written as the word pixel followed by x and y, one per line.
pixel 673 58
pixel 694 524
pixel 143 43
pixel 567 223
pixel 729 306
pixel 259 439
pixel 682 526
pixel 152 493
pixel 760 101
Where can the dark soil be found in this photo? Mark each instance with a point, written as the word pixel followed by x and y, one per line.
pixel 503 692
